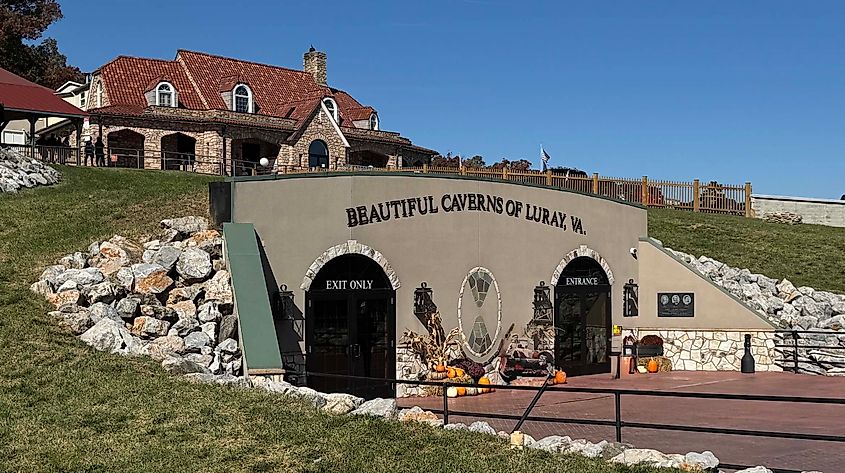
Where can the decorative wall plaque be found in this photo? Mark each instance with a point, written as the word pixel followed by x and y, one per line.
pixel 675 304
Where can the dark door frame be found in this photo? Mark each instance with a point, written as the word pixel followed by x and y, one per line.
pixel 354 356
pixel 582 367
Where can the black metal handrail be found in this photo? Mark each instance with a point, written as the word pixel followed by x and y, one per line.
pixel 618 423
pixel 795 359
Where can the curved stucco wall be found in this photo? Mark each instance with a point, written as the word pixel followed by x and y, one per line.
pixel 300 218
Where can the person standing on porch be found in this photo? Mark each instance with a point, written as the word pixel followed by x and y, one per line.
pixel 100 152
pixel 89 151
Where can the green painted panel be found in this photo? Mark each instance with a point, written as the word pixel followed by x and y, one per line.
pixel 252 303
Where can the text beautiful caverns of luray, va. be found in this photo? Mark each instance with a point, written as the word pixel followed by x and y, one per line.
pixel 413 207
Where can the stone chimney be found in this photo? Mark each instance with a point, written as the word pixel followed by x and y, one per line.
pixel 314 63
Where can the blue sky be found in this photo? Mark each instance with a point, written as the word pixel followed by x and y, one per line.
pixel 731 91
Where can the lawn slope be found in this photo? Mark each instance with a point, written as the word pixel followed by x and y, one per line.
pixel 807 255
pixel 65 407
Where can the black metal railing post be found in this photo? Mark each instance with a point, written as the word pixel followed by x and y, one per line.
pixel 533 402
pixel 445 404
pixel 795 350
pixel 617 401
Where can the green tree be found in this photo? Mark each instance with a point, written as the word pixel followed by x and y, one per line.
pixel 23 22
pixel 519 165
pixel 475 162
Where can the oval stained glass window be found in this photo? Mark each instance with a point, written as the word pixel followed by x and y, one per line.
pixel 479 311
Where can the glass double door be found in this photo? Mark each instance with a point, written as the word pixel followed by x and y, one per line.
pixel 582 329
pixel 351 333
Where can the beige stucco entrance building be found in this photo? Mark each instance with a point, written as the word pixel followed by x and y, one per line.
pixel 354 248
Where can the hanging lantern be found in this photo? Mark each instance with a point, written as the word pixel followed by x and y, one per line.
pixel 423 303
pixel 542 305
pixel 286 309
pixel 630 302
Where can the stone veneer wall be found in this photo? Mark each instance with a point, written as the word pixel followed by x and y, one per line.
pixel 699 350
pixel 408 366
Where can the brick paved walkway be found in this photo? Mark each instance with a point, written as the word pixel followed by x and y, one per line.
pixel 776 416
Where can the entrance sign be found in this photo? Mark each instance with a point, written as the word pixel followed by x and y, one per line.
pixel 461 202
pixel 567 281
pixel 675 304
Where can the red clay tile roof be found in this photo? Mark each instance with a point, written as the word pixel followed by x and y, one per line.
pixel 199 79
pixel 127 78
pixel 19 94
pixel 350 108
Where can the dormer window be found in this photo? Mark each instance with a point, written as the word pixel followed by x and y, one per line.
pixel 331 106
pixel 165 95
pixel 373 121
pixel 242 99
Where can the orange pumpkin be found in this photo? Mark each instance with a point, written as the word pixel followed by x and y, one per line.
pixel 459 372
pixel 450 372
pixel 652 366
pixel 462 391
pixel 560 377
pixel 439 368
pixel 484 380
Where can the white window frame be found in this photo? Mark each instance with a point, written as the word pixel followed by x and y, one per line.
pixel 250 103
pixel 332 109
pixel 373 122
pixel 173 101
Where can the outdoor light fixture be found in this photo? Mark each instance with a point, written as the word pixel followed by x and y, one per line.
pixel 287 309
pixel 423 304
pixel 542 305
pixel 630 302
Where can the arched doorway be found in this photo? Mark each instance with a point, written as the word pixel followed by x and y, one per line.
pixel 583 318
pixel 350 327
pixel 318 154
pixel 125 149
pixel 178 152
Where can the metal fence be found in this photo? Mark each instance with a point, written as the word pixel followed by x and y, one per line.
pixel 618 423
pixel 809 347
pixel 712 197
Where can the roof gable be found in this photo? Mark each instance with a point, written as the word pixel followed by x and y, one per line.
pixel 127 78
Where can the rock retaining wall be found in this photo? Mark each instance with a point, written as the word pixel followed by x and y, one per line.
pixel 18 171
pixel 787 308
pixel 169 298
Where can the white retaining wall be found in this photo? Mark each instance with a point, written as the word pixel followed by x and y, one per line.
pixel 817 211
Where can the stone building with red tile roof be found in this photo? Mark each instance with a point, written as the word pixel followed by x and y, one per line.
pixel 200 109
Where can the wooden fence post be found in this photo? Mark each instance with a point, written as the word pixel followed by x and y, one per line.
pixel 425 168
pixel 595 183
pixel 748 210
pixel 549 177
pixel 504 173
pixel 696 196
pixel 645 191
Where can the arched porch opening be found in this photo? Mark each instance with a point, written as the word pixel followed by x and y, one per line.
pixel 125 148
pixel 178 151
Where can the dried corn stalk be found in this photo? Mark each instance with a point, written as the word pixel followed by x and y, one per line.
pixel 432 347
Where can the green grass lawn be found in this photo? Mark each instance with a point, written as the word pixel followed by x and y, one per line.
pixel 807 255
pixel 65 407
